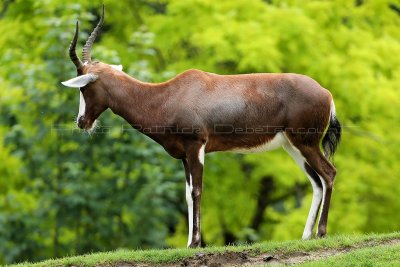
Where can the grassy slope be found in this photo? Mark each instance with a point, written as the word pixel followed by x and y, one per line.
pixel 381 254
pixel 373 256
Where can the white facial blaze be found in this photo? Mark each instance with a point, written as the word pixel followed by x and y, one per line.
pixel 82 105
pixel 189 201
pixel 201 154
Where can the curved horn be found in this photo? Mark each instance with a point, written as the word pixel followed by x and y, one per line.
pixel 72 52
pixel 86 57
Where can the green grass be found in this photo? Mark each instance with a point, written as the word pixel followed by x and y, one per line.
pixel 175 255
pixel 374 256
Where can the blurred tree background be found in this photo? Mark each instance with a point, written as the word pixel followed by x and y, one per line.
pixel 64 192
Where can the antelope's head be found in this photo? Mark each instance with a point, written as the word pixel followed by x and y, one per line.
pixel 92 80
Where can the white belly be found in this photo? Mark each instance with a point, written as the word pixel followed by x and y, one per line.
pixel 276 142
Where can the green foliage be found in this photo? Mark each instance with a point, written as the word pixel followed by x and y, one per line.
pixel 65 192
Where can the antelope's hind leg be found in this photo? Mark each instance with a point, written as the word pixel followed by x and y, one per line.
pixel 317 188
pixel 327 172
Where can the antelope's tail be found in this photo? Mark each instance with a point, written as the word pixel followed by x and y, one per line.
pixel 332 136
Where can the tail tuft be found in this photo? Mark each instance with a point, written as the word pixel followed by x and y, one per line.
pixel 332 136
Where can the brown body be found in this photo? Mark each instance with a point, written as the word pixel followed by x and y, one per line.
pixel 226 112
pixel 199 112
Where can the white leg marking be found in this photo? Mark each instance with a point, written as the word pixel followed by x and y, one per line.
pixel 201 154
pixel 323 198
pixel 312 215
pixel 189 200
pixel 317 192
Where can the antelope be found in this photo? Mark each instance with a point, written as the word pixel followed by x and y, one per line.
pixel 198 112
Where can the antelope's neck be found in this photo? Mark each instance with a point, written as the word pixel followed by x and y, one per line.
pixel 140 104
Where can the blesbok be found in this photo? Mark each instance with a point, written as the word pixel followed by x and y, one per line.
pixel 199 112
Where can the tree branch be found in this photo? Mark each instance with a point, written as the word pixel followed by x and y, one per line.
pixel 395 8
pixel 6 4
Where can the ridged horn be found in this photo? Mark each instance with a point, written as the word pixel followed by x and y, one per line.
pixel 86 56
pixel 72 49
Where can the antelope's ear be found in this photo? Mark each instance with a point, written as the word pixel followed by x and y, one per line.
pixel 117 67
pixel 81 81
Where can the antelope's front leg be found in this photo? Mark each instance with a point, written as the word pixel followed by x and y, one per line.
pixel 193 164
